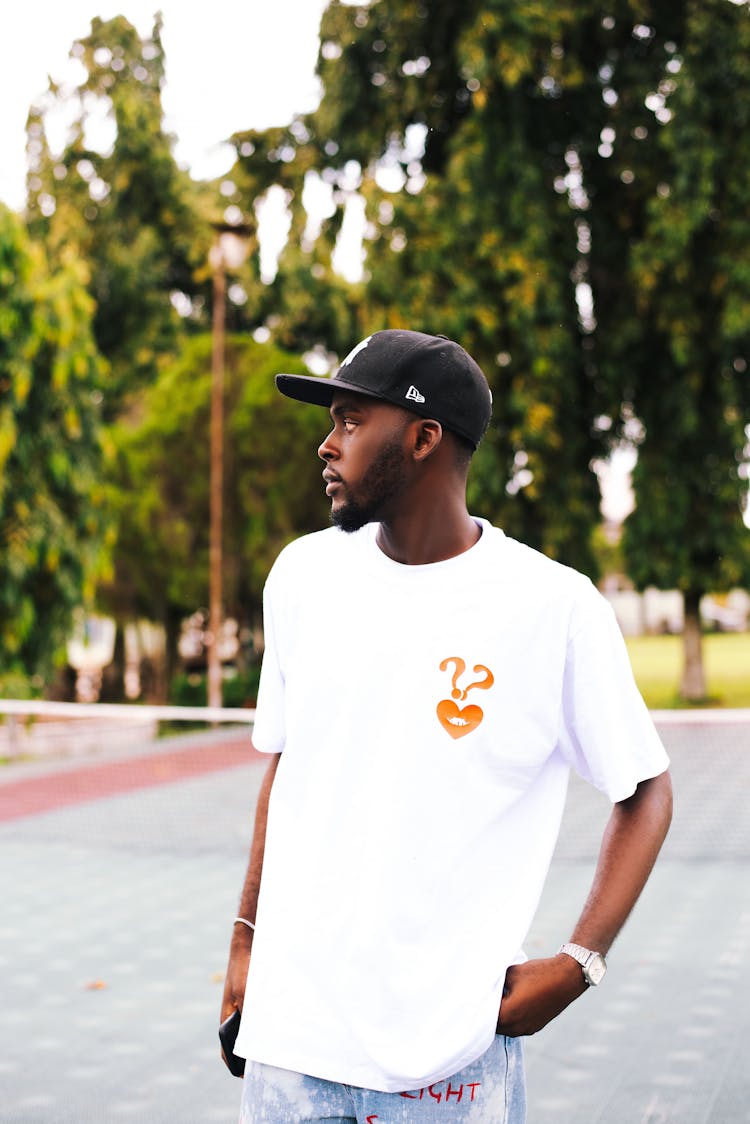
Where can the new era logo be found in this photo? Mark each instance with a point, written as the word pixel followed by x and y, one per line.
pixel 413 395
pixel 355 351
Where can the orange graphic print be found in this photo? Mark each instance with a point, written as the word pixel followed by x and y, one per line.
pixel 456 720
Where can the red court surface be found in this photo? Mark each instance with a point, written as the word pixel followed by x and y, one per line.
pixel 29 796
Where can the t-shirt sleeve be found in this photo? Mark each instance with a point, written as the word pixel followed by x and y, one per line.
pixel 269 730
pixel 606 732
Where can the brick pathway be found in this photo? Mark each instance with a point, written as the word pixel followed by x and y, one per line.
pixel 28 796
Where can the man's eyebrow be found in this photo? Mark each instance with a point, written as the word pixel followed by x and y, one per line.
pixel 349 406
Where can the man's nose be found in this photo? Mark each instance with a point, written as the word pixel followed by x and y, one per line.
pixel 327 450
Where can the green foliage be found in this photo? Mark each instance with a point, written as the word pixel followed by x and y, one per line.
pixel 689 281
pixel 160 482
pixel 516 161
pixel 52 516
pixel 471 236
pixel 132 214
pixel 608 551
pixel 237 690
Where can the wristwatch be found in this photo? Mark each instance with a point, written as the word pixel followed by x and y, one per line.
pixel 593 964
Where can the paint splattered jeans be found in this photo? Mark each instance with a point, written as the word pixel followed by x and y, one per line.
pixel 491 1090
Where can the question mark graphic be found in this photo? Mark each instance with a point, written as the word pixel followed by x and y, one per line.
pixel 481 684
pixel 458 672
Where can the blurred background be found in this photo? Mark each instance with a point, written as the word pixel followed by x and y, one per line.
pixel 191 209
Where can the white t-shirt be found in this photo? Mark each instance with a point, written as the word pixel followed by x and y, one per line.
pixel 428 717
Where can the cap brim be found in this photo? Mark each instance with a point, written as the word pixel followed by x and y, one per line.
pixel 315 389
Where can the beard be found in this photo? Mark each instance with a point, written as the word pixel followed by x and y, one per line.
pixel 382 481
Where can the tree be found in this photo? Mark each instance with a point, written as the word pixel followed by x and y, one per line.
pixel 53 524
pixel 455 123
pixel 562 189
pixel 132 214
pixel 682 347
pixel 159 484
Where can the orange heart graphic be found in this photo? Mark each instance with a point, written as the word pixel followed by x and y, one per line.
pixel 456 721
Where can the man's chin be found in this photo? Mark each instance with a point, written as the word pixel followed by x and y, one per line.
pixel 350 518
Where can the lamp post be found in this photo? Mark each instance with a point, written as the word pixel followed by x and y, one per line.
pixel 227 252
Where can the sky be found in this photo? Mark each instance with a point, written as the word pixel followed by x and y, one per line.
pixel 235 64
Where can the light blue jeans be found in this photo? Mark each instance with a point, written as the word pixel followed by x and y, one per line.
pixel 492 1090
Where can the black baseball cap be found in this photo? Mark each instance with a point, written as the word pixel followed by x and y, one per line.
pixel 430 375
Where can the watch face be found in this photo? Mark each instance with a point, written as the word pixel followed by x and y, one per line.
pixel 595 969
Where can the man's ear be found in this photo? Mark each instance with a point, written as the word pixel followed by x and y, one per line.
pixel 428 435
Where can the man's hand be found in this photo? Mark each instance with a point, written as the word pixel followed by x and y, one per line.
pixel 236 977
pixel 536 992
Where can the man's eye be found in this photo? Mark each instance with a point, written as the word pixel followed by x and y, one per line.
pixel 349 425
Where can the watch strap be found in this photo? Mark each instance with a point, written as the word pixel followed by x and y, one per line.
pixel 585 956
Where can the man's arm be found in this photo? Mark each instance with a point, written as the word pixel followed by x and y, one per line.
pixel 242 937
pixel 536 992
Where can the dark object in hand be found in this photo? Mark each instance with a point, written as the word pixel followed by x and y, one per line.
pixel 227 1037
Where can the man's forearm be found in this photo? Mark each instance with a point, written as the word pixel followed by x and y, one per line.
pixel 251 887
pixel 242 937
pixel 537 991
pixel 632 840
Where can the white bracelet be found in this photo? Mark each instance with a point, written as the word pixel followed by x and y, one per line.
pixel 250 924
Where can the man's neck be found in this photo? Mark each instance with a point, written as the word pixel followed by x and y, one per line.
pixel 420 539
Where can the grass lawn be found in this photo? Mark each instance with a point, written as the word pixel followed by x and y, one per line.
pixel 657 666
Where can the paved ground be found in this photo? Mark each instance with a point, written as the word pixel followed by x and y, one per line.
pixel 116 898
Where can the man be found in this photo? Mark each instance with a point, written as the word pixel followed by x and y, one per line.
pixel 427 685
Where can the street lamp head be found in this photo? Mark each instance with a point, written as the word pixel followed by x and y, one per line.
pixel 231 245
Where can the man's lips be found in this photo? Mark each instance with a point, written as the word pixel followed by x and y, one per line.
pixel 332 482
